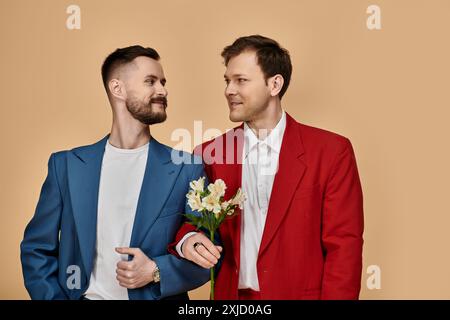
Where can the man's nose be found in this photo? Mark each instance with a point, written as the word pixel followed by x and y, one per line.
pixel 161 90
pixel 230 89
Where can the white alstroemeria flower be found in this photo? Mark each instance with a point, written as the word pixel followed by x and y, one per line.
pixel 218 188
pixel 238 199
pixel 198 185
pixel 194 200
pixel 211 203
pixel 225 205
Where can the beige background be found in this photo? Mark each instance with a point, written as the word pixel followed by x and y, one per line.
pixel 387 90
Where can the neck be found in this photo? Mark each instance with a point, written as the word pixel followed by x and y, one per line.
pixel 263 124
pixel 128 133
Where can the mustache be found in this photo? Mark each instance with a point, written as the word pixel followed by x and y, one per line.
pixel 162 100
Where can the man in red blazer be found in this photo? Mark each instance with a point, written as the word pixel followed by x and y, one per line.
pixel 299 235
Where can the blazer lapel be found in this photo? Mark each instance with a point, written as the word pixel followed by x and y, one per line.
pixel 290 172
pixel 84 168
pixel 160 176
pixel 232 175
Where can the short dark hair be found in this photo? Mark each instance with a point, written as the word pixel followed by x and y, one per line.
pixel 271 57
pixel 123 56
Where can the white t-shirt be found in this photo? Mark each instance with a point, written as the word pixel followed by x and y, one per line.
pixel 120 185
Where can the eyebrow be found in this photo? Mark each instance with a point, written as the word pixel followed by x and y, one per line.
pixel 153 77
pixel 235 75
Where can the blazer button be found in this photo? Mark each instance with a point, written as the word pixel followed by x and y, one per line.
pixel 236 270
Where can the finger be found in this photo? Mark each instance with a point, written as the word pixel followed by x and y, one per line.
pixel 124 273
pixel 125 280
pixel 125 265
pixel 126 250
pixel 194 256
pixel 210 247
pixel 201 238
pixel 127 286
pixel 219 248
pixel 206 254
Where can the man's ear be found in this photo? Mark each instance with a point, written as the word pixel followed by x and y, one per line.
pixel 276 84
pixel 117 89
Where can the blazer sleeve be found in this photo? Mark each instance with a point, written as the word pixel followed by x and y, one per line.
pixel 179 275
pixel 342 228
pixel 39 248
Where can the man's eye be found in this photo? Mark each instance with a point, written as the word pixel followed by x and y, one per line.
pixel 242 80
pixel 151 82
pixel 227 81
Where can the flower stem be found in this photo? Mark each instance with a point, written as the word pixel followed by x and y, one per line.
pixel 211 235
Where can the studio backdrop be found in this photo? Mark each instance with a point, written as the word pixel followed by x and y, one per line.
pixel 377 72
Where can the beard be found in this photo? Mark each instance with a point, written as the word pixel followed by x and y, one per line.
pixel 144 112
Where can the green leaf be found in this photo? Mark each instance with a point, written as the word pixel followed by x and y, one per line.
pixel 222 217
pixel 193 219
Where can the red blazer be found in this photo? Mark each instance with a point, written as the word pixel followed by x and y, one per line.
pixel 312 242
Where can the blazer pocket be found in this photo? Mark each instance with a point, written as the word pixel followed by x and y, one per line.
pixel 303 192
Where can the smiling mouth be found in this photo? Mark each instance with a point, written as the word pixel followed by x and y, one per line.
pixel 160 104
pixel 234 104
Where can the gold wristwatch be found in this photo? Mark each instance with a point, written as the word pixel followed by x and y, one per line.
pixel 156 275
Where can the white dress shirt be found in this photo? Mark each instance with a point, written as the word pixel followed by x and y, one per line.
pixel 260 164
pixel 121 179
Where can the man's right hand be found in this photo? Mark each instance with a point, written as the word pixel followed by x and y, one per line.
pixel 200 250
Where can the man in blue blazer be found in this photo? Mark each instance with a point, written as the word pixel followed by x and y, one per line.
pixel 108 211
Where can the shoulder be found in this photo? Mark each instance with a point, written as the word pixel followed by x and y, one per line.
pixel 318 138
pixel 59 158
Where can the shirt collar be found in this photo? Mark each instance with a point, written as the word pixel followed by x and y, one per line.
pixel 273 140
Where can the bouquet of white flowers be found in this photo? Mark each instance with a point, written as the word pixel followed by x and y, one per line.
pixel 212 207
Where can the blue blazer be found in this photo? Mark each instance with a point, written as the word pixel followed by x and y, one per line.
pixel 60 238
